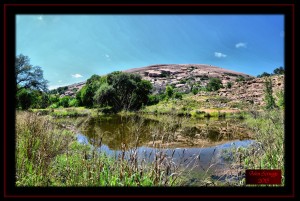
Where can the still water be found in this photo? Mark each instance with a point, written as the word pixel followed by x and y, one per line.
pixel 195 144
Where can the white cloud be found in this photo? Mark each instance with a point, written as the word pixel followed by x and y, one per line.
pixel 220 55
pixel 40 18
pixel 59 81
pixel 77 75
pixel 238 45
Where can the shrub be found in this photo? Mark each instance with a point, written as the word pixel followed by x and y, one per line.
pixel 240 79
pixel 229 85
pixel 269 99
pixel 73 102
pixel 178 95
pixel 214 84
pixel 195 91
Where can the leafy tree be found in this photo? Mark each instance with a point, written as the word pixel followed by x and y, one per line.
pixel 269 99
pixel 279 71
pixel 169 92
pixel 42 100
pixel 214 84
pixel 121 90
pixel 86 94
pixel 28 76
pixel 264 74
pixel 53 98
pixel 105 95
pixel 73 102
pixel 64 101
pixel 24 98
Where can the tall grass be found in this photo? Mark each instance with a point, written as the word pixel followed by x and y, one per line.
pixel 38 142
pixel 47 155
pixel 267 152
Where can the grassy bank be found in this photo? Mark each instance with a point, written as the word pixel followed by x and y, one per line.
pixel 50 156
pixel 268 151
pixel 199 107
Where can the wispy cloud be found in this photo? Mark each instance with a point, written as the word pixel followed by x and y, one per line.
pixel 107 57
pixel 77 75
pixel 59 81
pixel 40 18
pixel 220 55
pixel 241 45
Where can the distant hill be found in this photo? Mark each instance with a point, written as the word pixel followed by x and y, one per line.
pixel 184 76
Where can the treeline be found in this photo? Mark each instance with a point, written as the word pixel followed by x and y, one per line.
pixel 277 71
pixel 110 93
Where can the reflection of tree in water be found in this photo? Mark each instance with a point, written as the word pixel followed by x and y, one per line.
pixel 135 131
pixel 116 130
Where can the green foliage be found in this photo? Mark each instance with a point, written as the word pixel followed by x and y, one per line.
pixel 269 152
pixel 73 102
pixel 49 156
pixel 53 99
pixel 278 71
pixel 229 85
pixel 240 79
pixel 28 76
pixel 177 95
pixel 54 105
pixel 214 84
pixel 64 101
pixel 280 99
pixel 123 91
pixel 264 74
pixel 25 99
pixel 269 99
pixel 169 92
pixel 195 91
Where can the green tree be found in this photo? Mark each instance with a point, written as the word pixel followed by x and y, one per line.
pixel 64 101
pixel 28 76
pixel 123 91
pixel 25 99
pixel 73 102
pixel 269 99
pixel 86 94
pixel 279 71
pixel 214 84
pixel 169 91
pixel 264 74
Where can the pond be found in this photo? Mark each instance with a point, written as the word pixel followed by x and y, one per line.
pixel 196 145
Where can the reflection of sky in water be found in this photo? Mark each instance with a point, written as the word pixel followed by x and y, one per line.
pixel 207 155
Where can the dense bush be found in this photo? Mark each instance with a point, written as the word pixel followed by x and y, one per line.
pixel 229 85
pixel 214 84
pixel 240 79
pixel 123 91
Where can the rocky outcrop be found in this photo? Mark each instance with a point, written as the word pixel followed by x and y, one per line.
pixel 184 76
pixel 253 90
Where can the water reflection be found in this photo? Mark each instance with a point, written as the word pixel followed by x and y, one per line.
pixel 163 131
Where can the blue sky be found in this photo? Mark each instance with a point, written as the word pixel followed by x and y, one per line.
pixel 71 48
